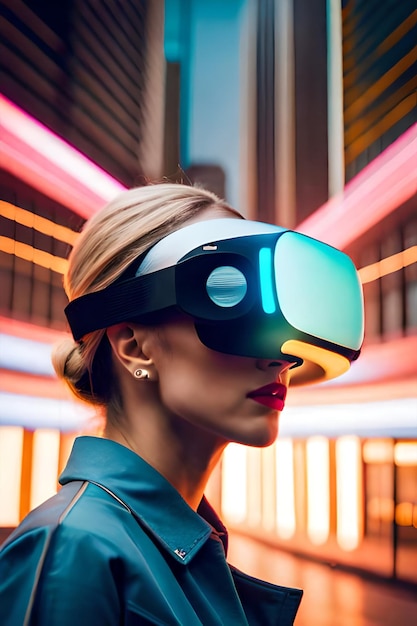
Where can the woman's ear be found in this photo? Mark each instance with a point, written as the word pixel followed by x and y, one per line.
pixel 127 342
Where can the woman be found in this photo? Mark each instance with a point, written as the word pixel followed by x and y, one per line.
pixel 129 539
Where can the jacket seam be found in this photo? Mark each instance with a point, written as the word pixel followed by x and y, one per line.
pixel 112 494
pixel 45 549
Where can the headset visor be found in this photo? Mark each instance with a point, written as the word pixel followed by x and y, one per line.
pixel 253 290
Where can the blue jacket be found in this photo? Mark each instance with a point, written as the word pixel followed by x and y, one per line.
pixel 119 546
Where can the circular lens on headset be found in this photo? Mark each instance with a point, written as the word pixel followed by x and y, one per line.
pixel 226 286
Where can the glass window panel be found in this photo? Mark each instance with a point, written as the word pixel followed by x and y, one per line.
pixel 349 492
pixel 234 484
pixel 318 489
pixel 44 465
pixel 11 447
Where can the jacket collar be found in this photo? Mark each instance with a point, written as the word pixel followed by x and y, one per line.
pixel 141 488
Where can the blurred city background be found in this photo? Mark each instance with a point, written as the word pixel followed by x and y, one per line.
pixel 301 113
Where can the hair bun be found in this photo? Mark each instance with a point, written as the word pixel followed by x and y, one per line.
pixel 68 361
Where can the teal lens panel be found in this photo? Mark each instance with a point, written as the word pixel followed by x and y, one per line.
pixel 319 291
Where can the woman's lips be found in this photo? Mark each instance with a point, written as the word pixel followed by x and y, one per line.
pixel 272 395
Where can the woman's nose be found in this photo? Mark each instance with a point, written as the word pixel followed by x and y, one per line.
pixel 280 365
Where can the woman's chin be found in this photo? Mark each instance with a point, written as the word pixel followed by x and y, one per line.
pixel 263 432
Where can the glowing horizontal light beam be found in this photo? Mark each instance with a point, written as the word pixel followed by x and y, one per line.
pixel 388 265
pixel 34 154
pixel 34 255
pixel 38 223
pixel 364 419
pixel 382 186
pixel 14 351
pixel 34 412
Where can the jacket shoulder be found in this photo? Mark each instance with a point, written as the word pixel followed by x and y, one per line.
pixel 48 515
pixel 25 550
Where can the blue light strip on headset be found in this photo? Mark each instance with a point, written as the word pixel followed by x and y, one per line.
pixel 265 279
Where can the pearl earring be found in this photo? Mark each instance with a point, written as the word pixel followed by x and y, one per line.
pixel 142 374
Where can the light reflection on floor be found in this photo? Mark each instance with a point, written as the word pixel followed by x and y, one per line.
pixel 331 597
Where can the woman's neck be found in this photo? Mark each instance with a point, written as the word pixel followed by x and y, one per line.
pixel 183 455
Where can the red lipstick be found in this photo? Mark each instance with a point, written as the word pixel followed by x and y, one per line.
pixel 272 395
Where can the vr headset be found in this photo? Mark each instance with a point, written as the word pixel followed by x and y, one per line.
pixel 252 289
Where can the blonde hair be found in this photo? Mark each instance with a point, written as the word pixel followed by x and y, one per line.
pixel 110 241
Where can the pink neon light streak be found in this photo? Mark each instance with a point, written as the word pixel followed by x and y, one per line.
pixel 43 160
pixel 26 330
pixel 32 385
pixel 39 157
pixel 382 186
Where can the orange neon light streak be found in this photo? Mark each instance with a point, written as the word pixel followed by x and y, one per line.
pixel 388 265
pixel 29 253
pixel 38 223
pixel 376 89
pixel 375 131
pixel 397 34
